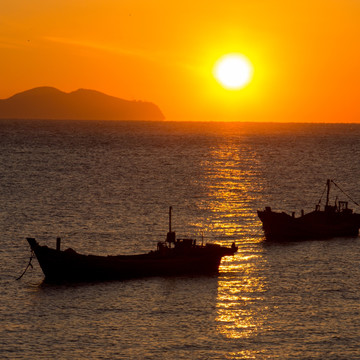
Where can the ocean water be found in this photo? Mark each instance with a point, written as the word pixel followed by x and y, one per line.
pixel 105 188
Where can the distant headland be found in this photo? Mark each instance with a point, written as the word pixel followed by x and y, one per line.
pixel 50 103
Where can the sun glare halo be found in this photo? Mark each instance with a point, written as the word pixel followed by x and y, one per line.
pixel 233 71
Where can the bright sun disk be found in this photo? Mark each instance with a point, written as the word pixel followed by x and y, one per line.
pixel 233 71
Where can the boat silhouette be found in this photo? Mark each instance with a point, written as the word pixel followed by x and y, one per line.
pixel 332 221
pixel 173 257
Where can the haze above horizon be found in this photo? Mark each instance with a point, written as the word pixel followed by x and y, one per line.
pixel 304 55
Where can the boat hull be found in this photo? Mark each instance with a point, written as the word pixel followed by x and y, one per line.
pixel 314 225
pixel 69 266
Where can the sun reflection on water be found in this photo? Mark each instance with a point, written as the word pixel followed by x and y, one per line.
pixel 234 188
pixel 233 185
pixel 241 288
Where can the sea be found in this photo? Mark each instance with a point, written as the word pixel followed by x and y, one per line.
pixel 105 187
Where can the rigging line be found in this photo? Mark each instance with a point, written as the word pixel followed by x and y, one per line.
pixel 344 192
pixel 322 195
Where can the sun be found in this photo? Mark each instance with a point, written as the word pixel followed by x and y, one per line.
pixel 233 71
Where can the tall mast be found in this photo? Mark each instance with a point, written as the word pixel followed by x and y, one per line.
pixel 327 191
pixel 170 209
pixel 170 237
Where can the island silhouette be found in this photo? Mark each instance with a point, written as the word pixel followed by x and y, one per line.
pixel 50 103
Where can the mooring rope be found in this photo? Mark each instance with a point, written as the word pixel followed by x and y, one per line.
pixel 28 265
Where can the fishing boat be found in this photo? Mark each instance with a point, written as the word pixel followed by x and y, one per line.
pixel 172 257
pixel 331 221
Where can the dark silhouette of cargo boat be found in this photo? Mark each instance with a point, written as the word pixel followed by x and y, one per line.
pixel 173 257
pixel 333 221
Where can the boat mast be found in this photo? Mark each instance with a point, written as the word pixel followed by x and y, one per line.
pixel 327 191
pixel 170 237
pixel 170 209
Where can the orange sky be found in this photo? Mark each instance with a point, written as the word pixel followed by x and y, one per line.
pixel 305 54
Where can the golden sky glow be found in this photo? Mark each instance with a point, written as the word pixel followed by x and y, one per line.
pixel 305 55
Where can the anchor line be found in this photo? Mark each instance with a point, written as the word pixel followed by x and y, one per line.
pixel 28 265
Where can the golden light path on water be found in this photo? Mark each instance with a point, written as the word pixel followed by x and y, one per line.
pixel 234 186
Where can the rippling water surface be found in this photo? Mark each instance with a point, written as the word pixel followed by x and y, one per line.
pixel 105 188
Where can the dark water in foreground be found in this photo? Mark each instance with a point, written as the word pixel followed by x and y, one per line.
pixel 105 188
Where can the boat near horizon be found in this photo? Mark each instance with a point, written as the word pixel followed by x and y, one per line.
pixel 173 257
pixel 336 220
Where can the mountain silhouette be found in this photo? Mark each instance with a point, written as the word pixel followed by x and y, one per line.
pixel 50 103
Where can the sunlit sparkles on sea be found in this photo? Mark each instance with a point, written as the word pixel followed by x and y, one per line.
pixel 105 188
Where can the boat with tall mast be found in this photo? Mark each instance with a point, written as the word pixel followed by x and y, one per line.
pixel 172 257
pixel 331 221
